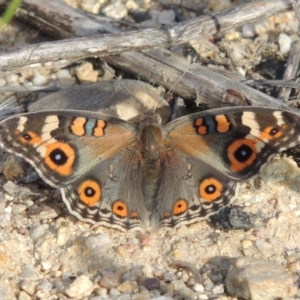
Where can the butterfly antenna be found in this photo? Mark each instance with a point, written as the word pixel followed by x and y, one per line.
pixel 124 85
pixel 176 82
pixel 128 90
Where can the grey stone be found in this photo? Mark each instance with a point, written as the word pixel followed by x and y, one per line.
pixel 256 279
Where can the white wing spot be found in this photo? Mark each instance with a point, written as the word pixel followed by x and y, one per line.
pixel 248 119
pixel 21 124
pixel 279 118
pixel 51 123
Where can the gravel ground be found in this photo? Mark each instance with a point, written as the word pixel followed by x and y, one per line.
pixel 46 253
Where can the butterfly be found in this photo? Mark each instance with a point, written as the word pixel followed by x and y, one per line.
pixel 113 173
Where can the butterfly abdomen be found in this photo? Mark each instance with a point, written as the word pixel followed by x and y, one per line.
pixel 151 145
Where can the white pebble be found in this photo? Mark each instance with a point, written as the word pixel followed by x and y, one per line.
pixel 148 271
pixel 67 275
pixel 284 42
pixel 154 14
pixel 114 292
pixel 98 242
pixel 12 78
pixel 248 31
pixel 5 220
pixel 24 296
pixel 218 289
pixel 46 265
pixel 63 73
pixel 91 6
pixel 8 209
pixel 294 26
pixel 166 17
pixel 116 10
pixel 198 288
pixel 37 232
pixel 262 27
pixel 44 285
pixel 40 80
pixel 2 82
pixel 80 288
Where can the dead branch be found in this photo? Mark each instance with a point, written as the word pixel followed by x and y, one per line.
pixel 103 45
pixel 291 70
pixel 201 83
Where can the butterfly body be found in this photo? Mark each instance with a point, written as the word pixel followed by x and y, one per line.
pixel 117 174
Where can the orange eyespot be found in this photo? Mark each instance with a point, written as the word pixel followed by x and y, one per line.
pixel 241 154
pixel 89 192
pixel 60 158
pixel 120 209
pixel 210 189
pixel 180 207
pixel 30 137
pixel 271 132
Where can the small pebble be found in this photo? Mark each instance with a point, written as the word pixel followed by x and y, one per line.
pixel 284 42
pixel 203 297
pixel 13 167
pixel 91 6
pixel 248 31
pixel 208 284
pixel 151 284
pixel 259 279
pixel 110 280
pixel 86 73
pixel 127 286
pixel 24 296
pixel 8 209
pixel 17 209
pixel 116 10
pixel 219 5
pixel 40 80
pixel 261 27
pixel 114 292
pixel 46 265
pixel 80 288
pixel 28 286
pixel 218 289
pixel 42 294
pixel 198 288
pixel 37 232
pixel 148 271
pixel 12 78
pixel 96 243
pixel 166 17
pixel 2 82
pixel 44 285
pixel 129 276
pixel 168 277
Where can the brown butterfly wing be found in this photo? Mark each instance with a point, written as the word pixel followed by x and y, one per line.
pixel 91 157
pixel 207 154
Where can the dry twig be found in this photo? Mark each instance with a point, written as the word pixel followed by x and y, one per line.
pixel 139 40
